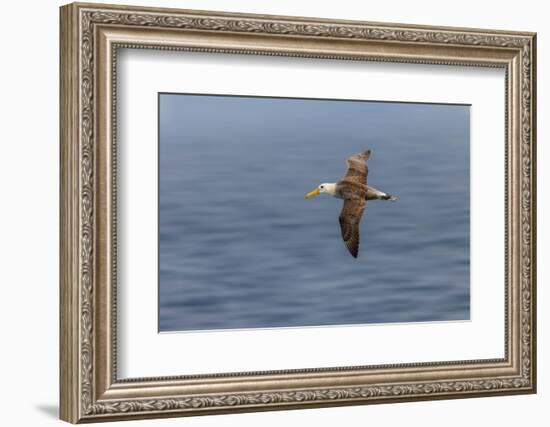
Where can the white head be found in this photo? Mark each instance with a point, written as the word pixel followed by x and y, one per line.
pixel 326 187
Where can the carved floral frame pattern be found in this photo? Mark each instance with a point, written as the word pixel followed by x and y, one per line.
pixel 78 400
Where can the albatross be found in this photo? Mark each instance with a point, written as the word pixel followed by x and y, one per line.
pixel 353 189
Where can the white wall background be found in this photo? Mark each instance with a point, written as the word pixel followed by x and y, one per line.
pixel 29 171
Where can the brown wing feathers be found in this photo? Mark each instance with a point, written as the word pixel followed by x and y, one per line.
pixel 353 188
pixel 357 168
pixel 349 224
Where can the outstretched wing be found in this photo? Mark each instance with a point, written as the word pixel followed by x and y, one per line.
pixel 353 189
pixel 351 214
pixel 357 168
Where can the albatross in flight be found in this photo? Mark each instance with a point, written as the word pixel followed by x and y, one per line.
pixel 354 190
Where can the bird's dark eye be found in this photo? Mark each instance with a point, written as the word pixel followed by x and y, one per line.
pixel 322 186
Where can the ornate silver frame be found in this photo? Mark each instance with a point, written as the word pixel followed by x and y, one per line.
pixel 90 36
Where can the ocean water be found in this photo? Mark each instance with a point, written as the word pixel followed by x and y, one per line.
pixel 239 247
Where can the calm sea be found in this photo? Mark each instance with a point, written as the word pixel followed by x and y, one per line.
pixel 241 248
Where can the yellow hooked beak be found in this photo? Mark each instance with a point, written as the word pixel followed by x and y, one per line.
pixel 312 193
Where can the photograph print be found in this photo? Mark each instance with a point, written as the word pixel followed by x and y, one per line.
pixel 293 212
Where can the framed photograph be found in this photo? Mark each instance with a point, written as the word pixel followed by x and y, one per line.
pixel 267 212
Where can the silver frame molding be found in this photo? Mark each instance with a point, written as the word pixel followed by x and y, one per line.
pixel 90 37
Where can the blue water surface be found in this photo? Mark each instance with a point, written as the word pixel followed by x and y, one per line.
pixel 241 248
